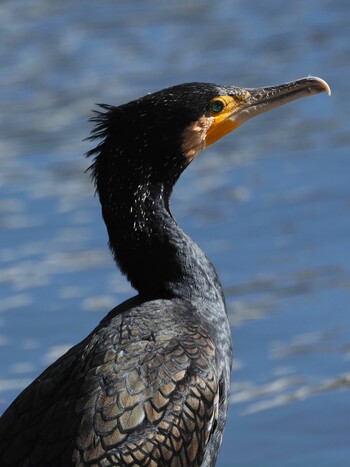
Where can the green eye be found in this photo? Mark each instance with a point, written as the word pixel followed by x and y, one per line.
pixel 217 106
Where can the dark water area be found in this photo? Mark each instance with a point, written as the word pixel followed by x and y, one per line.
pixel 270 203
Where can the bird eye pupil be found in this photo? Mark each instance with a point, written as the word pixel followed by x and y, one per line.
pixel 216 106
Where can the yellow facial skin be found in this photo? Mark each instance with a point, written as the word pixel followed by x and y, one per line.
pixel 223 121
pixel 229 111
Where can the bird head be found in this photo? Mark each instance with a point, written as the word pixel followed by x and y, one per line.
pixel 227 107
pixel 155 137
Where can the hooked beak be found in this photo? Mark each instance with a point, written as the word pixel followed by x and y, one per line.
pixel 260 100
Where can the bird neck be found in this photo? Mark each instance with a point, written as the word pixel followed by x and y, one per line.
pixel 148 245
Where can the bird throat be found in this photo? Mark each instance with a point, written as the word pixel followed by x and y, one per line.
pixel 204 132
pixel 218 129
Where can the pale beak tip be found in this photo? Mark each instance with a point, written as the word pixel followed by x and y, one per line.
pixel 322 83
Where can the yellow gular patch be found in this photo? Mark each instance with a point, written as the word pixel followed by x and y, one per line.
pixel 222 109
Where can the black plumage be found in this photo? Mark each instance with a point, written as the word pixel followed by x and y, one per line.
pixel 150 385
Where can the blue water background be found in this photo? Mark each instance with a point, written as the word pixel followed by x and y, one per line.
pixel 270 203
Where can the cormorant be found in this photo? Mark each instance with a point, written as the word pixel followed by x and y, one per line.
pixel 150 385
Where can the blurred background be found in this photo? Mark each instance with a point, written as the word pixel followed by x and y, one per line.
pixel 270 203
